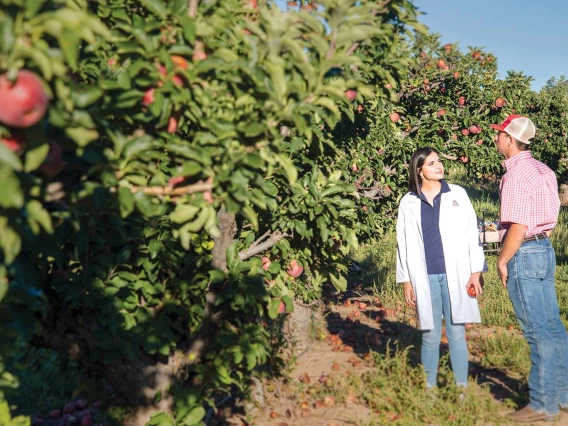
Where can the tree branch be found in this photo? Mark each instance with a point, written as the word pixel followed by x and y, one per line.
pixel 448 157
pixel 192 8
pixel 258 247
pixel 168 190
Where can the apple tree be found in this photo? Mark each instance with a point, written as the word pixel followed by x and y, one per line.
pixel 176 179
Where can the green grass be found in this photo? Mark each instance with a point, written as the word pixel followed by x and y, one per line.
pixel 499 352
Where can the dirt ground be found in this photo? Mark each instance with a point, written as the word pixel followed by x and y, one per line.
pixel 362 327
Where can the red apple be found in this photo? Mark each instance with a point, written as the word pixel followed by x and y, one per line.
pixel 69 408
pixel 172 124
pixel 148 97
pixel 474 129
pixel 354 167
pixel 199 53
pixel 499 102
pixel 471 291
pixel 14 143
pixel 53 163
pixel 351 94
pixel 179 62
pixel 394 117
pixel 461 100
pixel 24 101
pixel 55 414
pixel 266 263
pixel 448 48
pixel 464 159
pixel 465 132
pixel 362 306
pixel 294 270
pixel 441 63
pixel 479 142
pixel 281 307
pixel 456 74
pixel 87 421
pixel 81 404
pixel 388 86
pixel 441 112
pixel 476 55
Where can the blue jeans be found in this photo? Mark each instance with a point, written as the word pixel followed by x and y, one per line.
pixel 455 332
pixel 533 296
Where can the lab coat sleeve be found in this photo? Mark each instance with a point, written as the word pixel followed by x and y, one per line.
pixel 476 254
pixel 402 274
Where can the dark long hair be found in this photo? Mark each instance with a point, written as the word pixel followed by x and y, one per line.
pixel 417 161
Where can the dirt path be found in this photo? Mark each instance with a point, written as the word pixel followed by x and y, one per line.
pixel 351 328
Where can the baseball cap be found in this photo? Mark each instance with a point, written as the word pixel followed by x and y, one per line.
pixel 519 127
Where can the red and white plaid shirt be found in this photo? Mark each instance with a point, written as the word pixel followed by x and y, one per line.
pixel 529 195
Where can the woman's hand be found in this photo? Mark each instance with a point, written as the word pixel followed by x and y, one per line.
pixel 476 279
pixel 409 295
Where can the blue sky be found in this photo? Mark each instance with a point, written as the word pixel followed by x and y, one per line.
pixel 525 35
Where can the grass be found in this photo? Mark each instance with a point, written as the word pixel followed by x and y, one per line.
pixel 500 354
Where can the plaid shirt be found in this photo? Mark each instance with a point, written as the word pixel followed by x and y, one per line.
pixel 529 195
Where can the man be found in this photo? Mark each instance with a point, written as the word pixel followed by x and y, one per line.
pixel 526 263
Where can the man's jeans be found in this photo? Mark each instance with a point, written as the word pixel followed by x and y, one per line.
pixel 455 332
pixel 533 295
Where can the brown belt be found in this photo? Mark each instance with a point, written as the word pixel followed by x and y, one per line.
pixel 537 237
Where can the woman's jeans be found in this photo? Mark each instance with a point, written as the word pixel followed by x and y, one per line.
pixel 531 288
pixel 455 333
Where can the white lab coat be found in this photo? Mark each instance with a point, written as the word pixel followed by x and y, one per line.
pixel 463 254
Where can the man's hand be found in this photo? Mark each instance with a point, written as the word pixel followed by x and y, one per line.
pixel 513 240
pixel 502 272
pixel 409 295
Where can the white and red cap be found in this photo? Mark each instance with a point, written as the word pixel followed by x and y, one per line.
pixel 519 127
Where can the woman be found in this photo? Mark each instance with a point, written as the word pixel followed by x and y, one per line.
pixel 439 257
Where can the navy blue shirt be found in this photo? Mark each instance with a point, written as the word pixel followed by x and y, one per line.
pixel 430 221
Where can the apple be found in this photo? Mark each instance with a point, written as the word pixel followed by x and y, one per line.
pixel 461 100
pixel 281 307
pixel 24 101
pixel 148 97
pixel 456 74
pixel 476 55
pixel 14 143
pixel 474 129
pixel 388 86
pixel 448 48
pixel 479 142
pixel 360 108
pixel 362 306
pixel 471 291
pixel 81 404
pixel 294 270
pixel 87 421
pixel 351 94
pixel 394 117
pixel 179 62
pixel 354 167
pixel 465 132
pixel 441 63
pixel 499 102
pixel 199 53
pixel 55 414
pixel 69 408
pixel 53 163
pixel 172 124
pixel 441 112
pixel 266 263
pixel 464 159
pixel 426 81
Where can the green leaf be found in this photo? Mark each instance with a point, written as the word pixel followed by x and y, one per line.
pixel 194 417
pixel 157 7
pixel 9 158
pixel 273 308
pixel 86 96
pixel 36 212
pixel 126 201
pixel 81 135
pixel 69 43
pixel 35 157
pixel 184 213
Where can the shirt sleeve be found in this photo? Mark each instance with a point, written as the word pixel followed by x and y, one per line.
pixel 401 261
pixel 516 198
